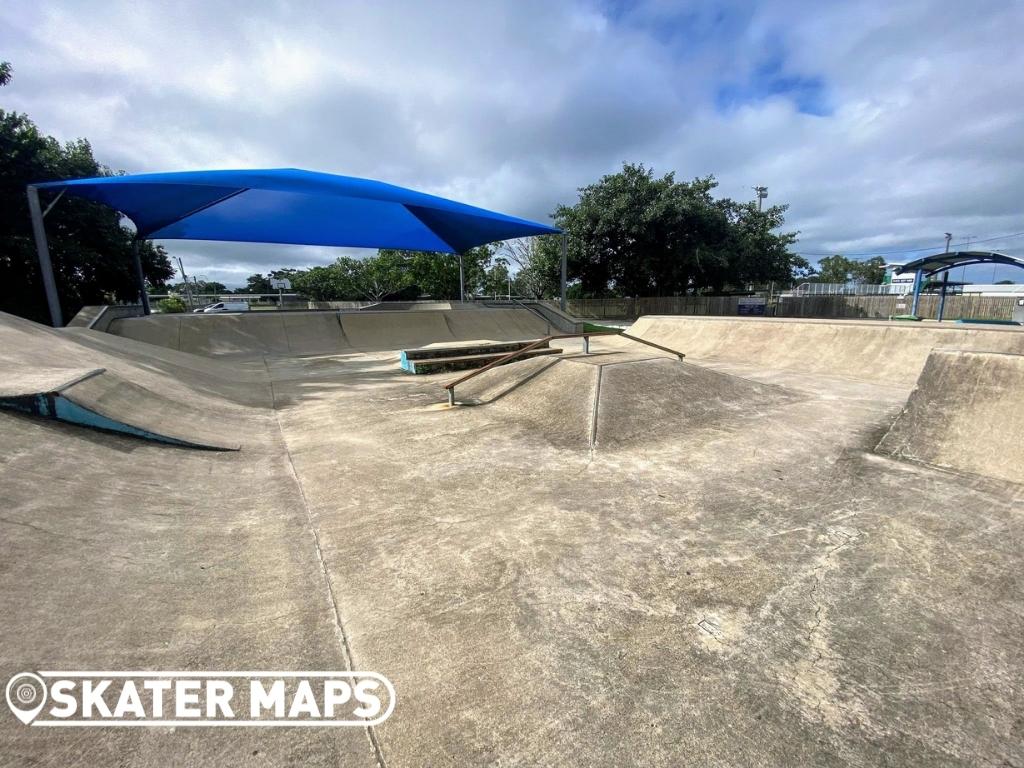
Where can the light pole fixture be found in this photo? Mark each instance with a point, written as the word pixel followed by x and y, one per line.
pixel 762 193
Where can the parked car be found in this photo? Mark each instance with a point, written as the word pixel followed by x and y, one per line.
pixel 224 306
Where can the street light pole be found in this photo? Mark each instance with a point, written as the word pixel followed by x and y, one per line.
pixel 188 290
pixel 945 281
pixel 762 193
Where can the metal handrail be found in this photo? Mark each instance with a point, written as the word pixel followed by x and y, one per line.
pixel 450 386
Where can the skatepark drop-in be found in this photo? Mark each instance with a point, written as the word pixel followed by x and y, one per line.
pixel 801 545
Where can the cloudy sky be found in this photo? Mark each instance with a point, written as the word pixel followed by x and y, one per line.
pixel 882 124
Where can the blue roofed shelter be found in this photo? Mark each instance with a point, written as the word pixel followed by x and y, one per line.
pixel 929 266
pixel 283 205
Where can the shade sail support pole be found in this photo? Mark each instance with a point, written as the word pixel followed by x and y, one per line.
pixel 43 250
pixel 140 279
pixel 565 260
pixel 462 282
pixel 917 291
pixel 942 295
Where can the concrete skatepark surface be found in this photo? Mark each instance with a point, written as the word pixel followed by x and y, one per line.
pixel 764 555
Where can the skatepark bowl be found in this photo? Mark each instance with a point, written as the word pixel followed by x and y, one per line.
pixel 801 545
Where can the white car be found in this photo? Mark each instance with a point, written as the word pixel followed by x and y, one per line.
pixel 224 306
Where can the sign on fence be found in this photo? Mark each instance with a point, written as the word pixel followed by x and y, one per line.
pixel 751 305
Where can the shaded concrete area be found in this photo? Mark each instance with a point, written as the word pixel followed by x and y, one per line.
pixel 727 574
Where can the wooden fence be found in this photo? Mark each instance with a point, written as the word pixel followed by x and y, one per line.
pixel 881 307
pixel 629 309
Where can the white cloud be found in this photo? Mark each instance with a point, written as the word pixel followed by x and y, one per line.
pixel 513 106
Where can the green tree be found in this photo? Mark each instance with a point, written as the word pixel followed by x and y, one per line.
pixel 198 286
pixel 839 269
pixel 538 262
pixel 497 278
pixel 751 253
pixel 377 277
pixel 172 305
pixel 635 234
pixel 258 284
pixel 437 274
pixel 90 248
pixel 5 72
pixel 329 283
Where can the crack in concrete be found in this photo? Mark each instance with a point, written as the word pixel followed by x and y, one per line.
pixel 339 623
pixel 41 529
pixel 818 583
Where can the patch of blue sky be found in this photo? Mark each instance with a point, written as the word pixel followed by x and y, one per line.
pixel 770 80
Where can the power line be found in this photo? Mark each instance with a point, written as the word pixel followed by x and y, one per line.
pixel 916 250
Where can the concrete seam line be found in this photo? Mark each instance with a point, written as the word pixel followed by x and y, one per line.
pixel 597 406
pixel 632 362
pixel 341 327
pixel 339 624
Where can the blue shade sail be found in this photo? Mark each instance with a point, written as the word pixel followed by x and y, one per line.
pixel 287 205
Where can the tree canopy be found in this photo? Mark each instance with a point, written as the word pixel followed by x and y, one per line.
pixel 392 274
pixel 634 234
pixel 840 269
pixel 90 249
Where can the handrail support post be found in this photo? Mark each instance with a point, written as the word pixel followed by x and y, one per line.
pixel 586 345
pixel 451 397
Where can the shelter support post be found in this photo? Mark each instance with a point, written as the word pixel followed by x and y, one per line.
pixel 140 279
pixel 43 250
pixel 462 281
pixel 565 259
pixel 942 295
pixel 917 292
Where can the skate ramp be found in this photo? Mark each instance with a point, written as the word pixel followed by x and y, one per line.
pixel 503 324
pixel 315 333
pixel 219 403
pixel 98 399
pixel 883 352
pixel 966 413
pixel 616 401
pixel 370 331
pixel 254 334
pixel 210 335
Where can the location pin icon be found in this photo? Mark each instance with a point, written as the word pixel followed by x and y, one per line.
pixel 26 695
